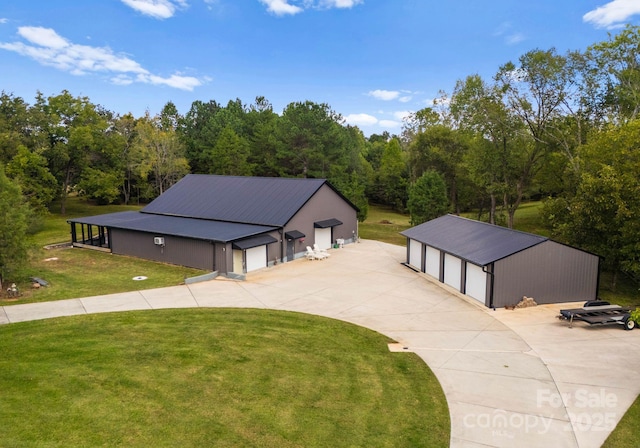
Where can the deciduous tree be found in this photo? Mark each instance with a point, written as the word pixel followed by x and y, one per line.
pixel 14 217
pixel 427 198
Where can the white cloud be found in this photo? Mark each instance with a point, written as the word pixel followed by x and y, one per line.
pixel 3 20
pixel 48 48
pixel 514 38
pixel 176 81
pixel 505 30
pixel 45 37
pixel 389 123
pixel 211 3
pixel 405 99
pixel 361 119
pixel 158 9
pixel 341 3
pixel 613 14
pixel 384 95
pixel 292 7
pixel 121 80
pixel 402 114
pixel 281 7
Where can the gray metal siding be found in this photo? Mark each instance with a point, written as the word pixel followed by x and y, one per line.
pixel 180 251
pixel 325 204
pixel 549 272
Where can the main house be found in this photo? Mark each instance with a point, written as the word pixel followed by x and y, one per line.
pixel 498 266
pixel 226 224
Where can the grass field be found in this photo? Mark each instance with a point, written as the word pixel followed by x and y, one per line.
pixel 74 273
pixel 224 378
pixel 384 224
pixel 78 273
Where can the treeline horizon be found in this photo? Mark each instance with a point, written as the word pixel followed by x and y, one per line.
pixel 558 127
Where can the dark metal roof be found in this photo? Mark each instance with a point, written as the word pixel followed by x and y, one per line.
pixel 269 201
pixel 256 241
pixel 327 223
pixel 294 235
pixel 474 241
pixel 170 225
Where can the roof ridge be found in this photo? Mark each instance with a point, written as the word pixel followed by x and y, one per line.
pixel 495 226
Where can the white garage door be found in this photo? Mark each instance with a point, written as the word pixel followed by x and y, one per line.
pixel 256 258
pixel 415 254
pixel 476 286
pixel 452 271
pixel 323 238
pixel 433 262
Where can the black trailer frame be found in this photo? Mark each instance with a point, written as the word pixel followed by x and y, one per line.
pixel 600 313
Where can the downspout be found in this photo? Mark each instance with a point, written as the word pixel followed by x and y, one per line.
pixel 491 284
pixel 281 232
pixel 598 278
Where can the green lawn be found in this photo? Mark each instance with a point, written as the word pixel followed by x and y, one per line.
pixel 224 378
pixel 76 272
pixel 384 224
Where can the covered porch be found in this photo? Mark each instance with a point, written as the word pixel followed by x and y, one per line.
pixel 90 236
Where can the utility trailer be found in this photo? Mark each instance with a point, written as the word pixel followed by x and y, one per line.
pixel 599 312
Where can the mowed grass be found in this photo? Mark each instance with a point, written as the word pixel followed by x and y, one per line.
pixel 74 273
pixel 384 224
pixel 224 378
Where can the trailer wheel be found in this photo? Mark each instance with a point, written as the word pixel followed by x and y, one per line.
pixel 629 324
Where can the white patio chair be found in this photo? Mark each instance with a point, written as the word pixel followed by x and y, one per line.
pixel 322 252
pixel 313 255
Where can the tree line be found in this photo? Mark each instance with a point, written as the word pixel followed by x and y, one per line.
pixel 558 127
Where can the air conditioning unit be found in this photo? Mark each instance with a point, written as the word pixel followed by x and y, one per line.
pixel 158 241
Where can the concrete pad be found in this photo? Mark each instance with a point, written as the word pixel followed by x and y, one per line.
pixel 389 324
pixel 441 340
pixel 511 364
pixel 595 411
pixel 126 301
pixel 498 368
pixel 314 304
pixel 271 296
pixel 390 304
pixel 175 297
pixel 44 310
pixel 481 426
pixel 504 340
pixel 434 358
pixel 223 294
pixel 499 392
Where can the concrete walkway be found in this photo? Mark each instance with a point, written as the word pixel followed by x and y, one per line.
pixel 511 378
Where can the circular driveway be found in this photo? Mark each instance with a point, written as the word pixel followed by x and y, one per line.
pixel 511 378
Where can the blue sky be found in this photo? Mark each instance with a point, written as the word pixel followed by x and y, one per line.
pixel 372 61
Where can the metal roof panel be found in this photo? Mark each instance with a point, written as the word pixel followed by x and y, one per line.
pixel 327 223
pixel 255 200
pixel 170 225
pixel 255 241
pixel 474 241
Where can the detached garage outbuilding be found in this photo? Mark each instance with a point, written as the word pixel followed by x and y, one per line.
pixel 227 224
pixel 499 266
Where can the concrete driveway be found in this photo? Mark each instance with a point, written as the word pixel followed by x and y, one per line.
pixel 511 378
